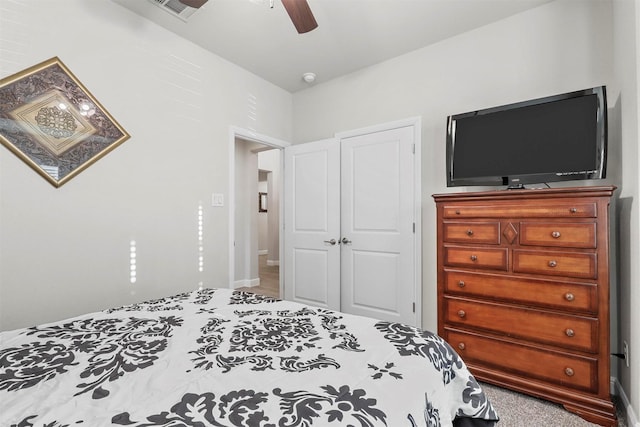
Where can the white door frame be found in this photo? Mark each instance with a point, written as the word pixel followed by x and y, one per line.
pixel 416 123
pixel 237 132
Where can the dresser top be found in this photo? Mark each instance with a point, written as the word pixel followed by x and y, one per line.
pixel 562 192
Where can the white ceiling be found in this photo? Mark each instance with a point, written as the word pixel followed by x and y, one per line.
pixel 351 34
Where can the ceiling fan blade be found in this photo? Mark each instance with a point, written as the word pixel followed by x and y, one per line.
pixel 300 14
pixel 194 3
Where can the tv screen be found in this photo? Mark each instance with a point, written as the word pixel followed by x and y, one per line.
pixel 557 138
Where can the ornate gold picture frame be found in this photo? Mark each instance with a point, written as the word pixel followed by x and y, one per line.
pixel 53 123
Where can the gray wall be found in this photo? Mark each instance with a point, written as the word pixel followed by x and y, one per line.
pixel 66 251
pixel 558 47
pixel 626 48
pixel 555 48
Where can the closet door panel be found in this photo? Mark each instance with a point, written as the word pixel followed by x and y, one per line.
pixel 377 225
pixel 312 223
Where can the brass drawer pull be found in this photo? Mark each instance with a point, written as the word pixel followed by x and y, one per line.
pixel 568 372
pixel 555 234
pixel 474 257
pixel 457 212
pixel 569 296
pixel 461 283
pixel 553 263
pixel 462 314
pixel 469 232
pixel 573 210
pixel 461 346
pixel 570 332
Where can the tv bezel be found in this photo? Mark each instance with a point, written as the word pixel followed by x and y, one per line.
pixel 518 181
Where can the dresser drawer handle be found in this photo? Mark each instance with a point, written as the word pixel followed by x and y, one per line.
pixel 553 263
pixel 469 232
pixel 568 372
pixel 569 296
pixel 462 314
pixel 474 257
pixel 457 212
pixel 461 283
pixel 462 346
pixel 570 332
pixel 573 210
pixel 555 234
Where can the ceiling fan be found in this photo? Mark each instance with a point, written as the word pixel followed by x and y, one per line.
pixel 298 10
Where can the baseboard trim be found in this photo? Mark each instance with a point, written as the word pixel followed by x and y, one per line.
pixel 616 388
pixel 247 283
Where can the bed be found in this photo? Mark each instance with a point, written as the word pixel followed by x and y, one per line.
pixel 219 357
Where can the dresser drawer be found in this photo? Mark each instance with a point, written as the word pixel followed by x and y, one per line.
pixel 472 232
pixel 540 210
pixel 570 296
pixel 571 264
pixel 568 235
pixel 476 257
pixel 555 367
pixel 566 331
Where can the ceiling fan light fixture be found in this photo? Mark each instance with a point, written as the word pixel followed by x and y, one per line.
pixel 309 77
pixel 301 15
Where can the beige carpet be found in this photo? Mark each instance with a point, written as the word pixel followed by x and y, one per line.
pixel 519 410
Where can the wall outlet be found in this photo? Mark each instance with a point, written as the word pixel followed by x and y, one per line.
pixel 625 351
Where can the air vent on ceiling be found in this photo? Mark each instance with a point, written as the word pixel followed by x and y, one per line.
pixel 175 7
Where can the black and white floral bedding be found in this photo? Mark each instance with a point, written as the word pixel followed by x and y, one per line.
pixel 218 357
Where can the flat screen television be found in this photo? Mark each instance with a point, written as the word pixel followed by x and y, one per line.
pixel 556 138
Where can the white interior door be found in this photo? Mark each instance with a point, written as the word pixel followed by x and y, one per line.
pixel 378 225
pixel 312 223
pixel 351 240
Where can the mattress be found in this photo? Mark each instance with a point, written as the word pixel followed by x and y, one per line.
pixel 219 357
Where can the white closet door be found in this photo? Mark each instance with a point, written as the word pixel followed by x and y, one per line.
pixel 312 223
pixel 377 225
pixel 349 219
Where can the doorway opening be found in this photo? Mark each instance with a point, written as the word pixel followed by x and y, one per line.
pixel 255 214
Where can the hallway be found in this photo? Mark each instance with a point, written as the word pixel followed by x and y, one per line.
pixel 269 279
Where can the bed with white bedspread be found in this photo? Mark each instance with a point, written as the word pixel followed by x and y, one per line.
pixel 218 357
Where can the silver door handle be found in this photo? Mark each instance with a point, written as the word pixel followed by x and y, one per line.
pixel 331 242
pixel 345 241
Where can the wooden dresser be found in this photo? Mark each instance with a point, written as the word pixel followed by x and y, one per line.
pixel 523 291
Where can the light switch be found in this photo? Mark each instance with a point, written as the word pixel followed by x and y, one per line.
pixel 217 199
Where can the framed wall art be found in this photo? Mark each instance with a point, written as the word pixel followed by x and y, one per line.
pixel 53 123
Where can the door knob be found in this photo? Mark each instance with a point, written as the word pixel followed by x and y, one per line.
pixel 345 241
pixel 331 242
